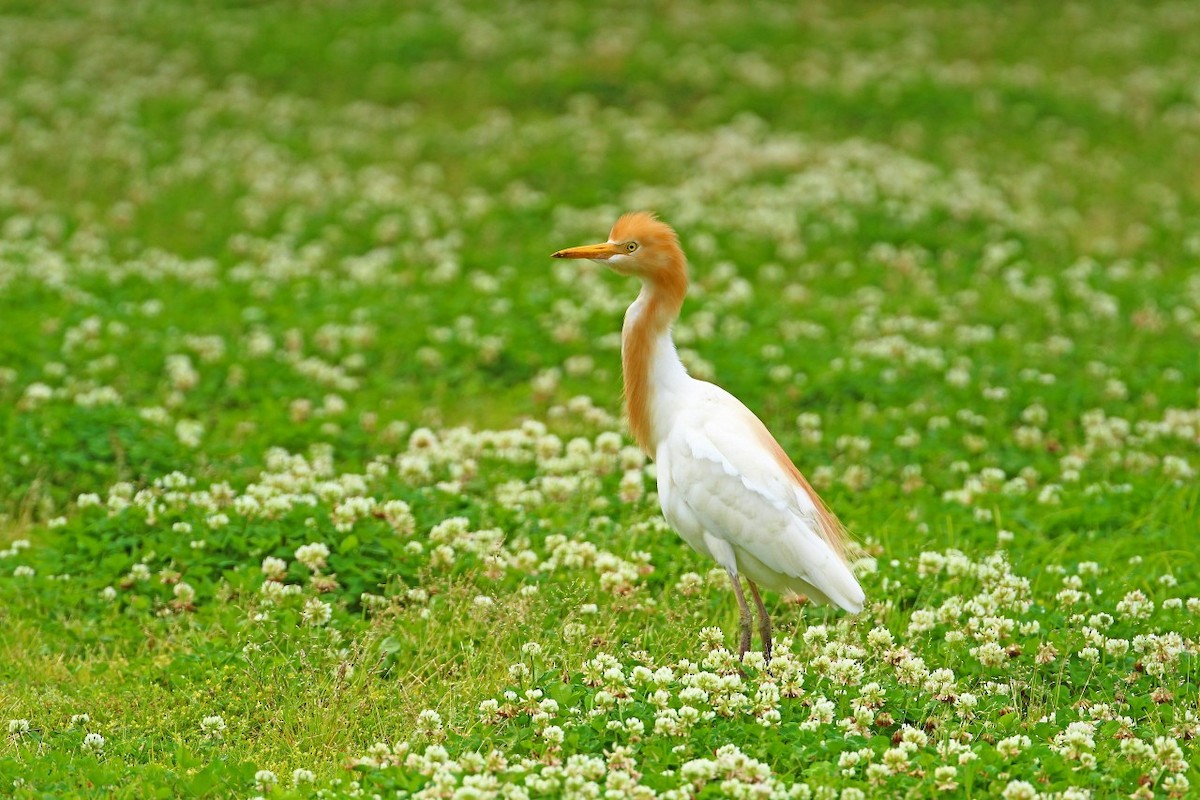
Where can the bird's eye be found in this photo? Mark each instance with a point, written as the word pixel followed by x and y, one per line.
pixel 631 246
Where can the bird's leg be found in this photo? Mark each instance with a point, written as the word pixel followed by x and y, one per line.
pixel 741 598
pixel 764 621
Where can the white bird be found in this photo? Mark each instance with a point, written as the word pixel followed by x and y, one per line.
pixel 725 484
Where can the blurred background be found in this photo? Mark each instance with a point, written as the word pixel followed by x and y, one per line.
pixel 237 225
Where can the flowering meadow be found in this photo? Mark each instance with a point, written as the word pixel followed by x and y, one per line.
pixel 313 477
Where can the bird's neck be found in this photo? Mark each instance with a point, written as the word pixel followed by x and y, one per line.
pixel 650 365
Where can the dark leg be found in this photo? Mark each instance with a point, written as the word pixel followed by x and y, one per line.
pixel 764 621
pixel 741 598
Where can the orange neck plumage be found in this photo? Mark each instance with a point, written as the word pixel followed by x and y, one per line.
pixel 648 320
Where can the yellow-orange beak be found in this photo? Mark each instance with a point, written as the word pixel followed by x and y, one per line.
pixel 600 252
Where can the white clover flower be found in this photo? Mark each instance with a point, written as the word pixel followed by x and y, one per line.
pixel 1174 786
pixel 488 710
pixel 18 727
pixel 880 638
pixel 698 771
pixel 911 670
pixel 273 591
pixel 1169 755
pixel 399 516
pixel 302 776
pixel 189 432
pixel 1035 414
pixel 1135 605
pixel 315 612
pixel 921 621
pixel 1177 468
pixel 274 569
pixel 264 780
pixel 632 486
pixel 895 759
pixel 820 713
pixel 878 773
pixel 35 394
pixel 940 683
pixel 429 723
pixel 1050 494
pixel 313 555
pixel 1078 739
pixel 1116 647
pixel 88 500
pixel 93 743
pixel 990 654
pixel 1135 749
pixel 442 556
pixel 944 778
pixel 930 563
pixel 213 727
pixel 1019 790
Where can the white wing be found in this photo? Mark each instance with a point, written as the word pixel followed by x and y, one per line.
pixel 724 489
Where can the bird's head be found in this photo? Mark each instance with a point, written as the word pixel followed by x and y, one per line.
pixel 638 245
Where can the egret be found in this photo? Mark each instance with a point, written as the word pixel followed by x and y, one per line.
pixel 724 483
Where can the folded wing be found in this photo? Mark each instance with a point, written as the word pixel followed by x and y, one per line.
pixel 735 481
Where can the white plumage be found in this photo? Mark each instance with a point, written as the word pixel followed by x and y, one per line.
pixel 729 499
pixel 725 484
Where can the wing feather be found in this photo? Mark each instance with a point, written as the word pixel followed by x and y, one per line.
pixel 737 489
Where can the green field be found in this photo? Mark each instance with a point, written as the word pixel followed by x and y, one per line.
pixel 313 477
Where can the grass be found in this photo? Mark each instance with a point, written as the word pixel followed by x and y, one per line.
pixel 275 276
